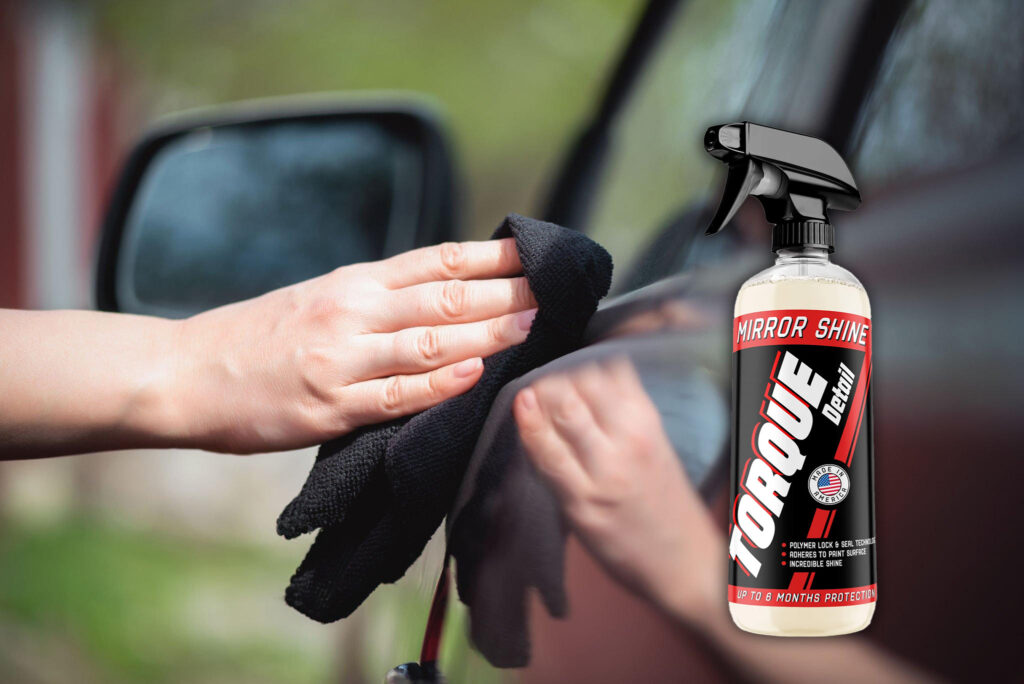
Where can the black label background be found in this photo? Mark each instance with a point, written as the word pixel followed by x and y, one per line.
pixel 854 518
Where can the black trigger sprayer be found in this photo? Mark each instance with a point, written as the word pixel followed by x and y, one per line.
pixel 802 528
pixel 796 178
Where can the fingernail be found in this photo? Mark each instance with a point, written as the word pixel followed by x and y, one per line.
pixel 468 367
pixel 528 398
pixel 525 319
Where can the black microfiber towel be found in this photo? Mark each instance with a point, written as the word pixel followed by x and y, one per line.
pixel 508 540
pixel 379 493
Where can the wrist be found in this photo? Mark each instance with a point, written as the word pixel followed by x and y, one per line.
pixel 155 406
pixel 697 596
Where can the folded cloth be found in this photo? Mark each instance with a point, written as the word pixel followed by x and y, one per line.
pixel 379 493
pixel 505 531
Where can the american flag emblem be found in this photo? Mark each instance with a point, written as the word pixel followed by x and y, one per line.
pixel 829 484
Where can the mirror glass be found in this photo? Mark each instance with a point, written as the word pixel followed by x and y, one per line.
pixel 229 212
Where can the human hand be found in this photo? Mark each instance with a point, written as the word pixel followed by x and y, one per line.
pixel 596 438
pixel 360 345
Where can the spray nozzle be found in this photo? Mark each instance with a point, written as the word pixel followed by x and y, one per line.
pixel 796 178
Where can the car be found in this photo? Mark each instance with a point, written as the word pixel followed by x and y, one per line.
pixel 924 99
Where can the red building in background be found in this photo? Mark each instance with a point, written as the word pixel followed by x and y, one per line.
pixel 59 145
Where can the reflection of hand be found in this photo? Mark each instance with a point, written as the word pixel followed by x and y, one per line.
pixel 360 345
pixel 676 315
pixel 597 439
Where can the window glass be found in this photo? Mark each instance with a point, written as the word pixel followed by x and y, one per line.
pixel 231 212
pixel 706 66
pixel 950 91
pixel 709 64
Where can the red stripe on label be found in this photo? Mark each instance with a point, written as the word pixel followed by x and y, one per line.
pixel 844 452
pixel 831 518
pixel 818 524
pixel 798 581
pixel 860 417
pixel 820 598
pixel 801 326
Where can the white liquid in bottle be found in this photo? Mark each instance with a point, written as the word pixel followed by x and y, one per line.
pixel 803 279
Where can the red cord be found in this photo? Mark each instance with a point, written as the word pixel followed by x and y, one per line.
pixel 435 620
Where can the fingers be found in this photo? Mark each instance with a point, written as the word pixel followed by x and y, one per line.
pixel 448 261
pixel 606 404
pixel 570 416
pixel 452 301
pixel 550 455
pixel 375 401
pixel 594 416
pixel 625 377
pixel 634 412
pixel 415 350
pixel 561 436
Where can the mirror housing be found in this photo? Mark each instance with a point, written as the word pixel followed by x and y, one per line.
pixel 227 203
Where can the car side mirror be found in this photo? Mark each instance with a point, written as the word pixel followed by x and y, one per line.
pixel 229 204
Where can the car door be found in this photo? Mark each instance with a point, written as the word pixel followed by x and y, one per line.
pixel 935 140
pixel 718 62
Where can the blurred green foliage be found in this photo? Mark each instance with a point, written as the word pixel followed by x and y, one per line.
pixel 515 78
pixel 702 74
pixel 143 606
pixel 86 599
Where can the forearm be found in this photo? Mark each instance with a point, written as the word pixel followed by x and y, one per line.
pixel 289 369
pixel 82 381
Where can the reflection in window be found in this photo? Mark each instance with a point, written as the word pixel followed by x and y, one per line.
pixel 229 213
pixel 951 90
pixel 707 65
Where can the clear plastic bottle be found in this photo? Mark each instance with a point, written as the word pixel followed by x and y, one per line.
pixel 803 278
pixel 802 525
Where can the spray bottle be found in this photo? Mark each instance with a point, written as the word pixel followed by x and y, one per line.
pixel 802 529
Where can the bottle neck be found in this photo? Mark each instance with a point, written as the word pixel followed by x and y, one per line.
pixel 805 254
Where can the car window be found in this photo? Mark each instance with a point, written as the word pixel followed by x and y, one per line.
pixel 705 68
pixel 720 60
pixel 950 91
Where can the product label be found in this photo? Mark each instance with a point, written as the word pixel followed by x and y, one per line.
pixel 802 528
